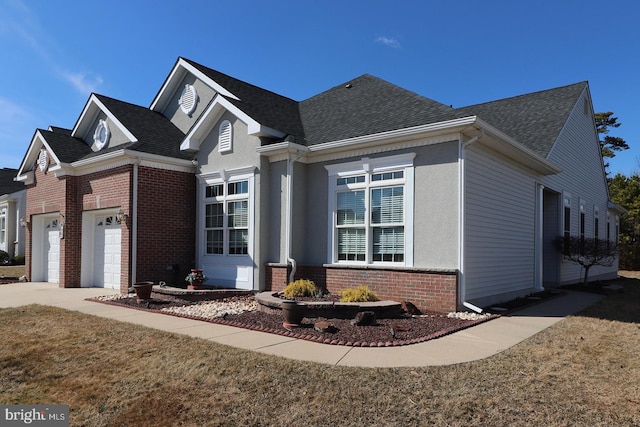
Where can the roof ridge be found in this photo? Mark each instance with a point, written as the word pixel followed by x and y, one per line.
pixel 227 76
pixel 522 95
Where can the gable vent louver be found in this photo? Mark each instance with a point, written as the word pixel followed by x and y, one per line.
pixel 188 99
pixel 224 137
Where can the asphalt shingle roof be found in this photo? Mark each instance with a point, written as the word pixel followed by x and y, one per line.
pixel 363 106
pixel 266 107
pixel 7 184
pixel 155 133
pixel 535 119
pixel 367 105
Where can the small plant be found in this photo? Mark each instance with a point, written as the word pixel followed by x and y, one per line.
pixel 360 294
pixel 195 275
pixel 18 260
pixel 301 288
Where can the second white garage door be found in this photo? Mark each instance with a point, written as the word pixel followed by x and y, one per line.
pixel 107 252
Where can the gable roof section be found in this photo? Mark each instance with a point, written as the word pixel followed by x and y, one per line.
pixel 154 133
pixel 364 106
pixel 266 107
pixel 535 119
pixel 7 183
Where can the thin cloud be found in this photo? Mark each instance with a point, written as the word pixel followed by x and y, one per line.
pixel 81 82
pixel 388 41
pixel 21 23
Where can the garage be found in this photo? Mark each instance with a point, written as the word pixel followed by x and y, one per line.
pixel 107 251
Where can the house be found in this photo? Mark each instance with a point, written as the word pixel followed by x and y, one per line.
pixel 365 183
pixel 12 207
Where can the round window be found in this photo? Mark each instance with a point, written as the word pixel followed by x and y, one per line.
pixel 101 134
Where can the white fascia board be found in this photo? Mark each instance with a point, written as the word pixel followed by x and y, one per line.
pixel 414 132
pixel 283 150
pixel 89 114
pixel 124 157
pixel 33 151
pixel 204 126
pixel 175 79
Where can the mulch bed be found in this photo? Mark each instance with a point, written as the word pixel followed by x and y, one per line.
pixel 385 332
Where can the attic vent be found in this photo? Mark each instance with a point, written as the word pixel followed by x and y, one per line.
pixel 188 99
pixel 224 137
pixel 43 160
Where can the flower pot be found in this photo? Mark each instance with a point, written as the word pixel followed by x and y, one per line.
pixel 292 312
pixel 195 279
pixel 143 290
pixel 195 285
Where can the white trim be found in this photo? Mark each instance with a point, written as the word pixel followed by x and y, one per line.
pixel 236 270
pixel 180 69
pixel 84 121
pixel 207 121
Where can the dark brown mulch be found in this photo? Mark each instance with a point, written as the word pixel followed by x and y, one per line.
pixel 385 333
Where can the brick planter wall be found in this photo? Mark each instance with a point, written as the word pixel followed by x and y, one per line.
pixel 435 291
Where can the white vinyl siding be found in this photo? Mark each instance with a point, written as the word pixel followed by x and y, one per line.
pixel 577 152
pixel 500 207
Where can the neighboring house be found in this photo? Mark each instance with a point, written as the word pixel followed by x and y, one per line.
pixel 366 183
pixel 12 208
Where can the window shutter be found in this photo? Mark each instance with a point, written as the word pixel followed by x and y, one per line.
pixel 224 137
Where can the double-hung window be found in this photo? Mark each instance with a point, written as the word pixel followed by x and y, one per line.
pixel 371 211
pixel 227 217
pixel 3 226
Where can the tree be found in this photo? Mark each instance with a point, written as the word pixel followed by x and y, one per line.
pixel 609 144
pixel 625 191
pixel 588 252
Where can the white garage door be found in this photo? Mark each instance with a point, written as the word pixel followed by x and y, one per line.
pixel 106 267
pixel 51 251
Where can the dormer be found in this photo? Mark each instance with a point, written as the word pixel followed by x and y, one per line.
pixel 99 127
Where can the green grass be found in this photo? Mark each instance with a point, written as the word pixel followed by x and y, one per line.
pixel 584 371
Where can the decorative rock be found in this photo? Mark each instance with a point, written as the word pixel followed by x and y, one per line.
pixel 410 308
pixel 364 318
pixel 323 326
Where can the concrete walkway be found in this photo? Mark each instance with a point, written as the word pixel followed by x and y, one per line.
pixel 471 344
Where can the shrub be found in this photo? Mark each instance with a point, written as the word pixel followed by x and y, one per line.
pixel 360 294
pixel 301 288
pixel 4 258
pixel 18 260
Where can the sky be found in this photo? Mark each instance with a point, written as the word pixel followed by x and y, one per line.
pixel 54 54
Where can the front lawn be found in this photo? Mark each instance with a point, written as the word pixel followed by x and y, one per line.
pixel 583 371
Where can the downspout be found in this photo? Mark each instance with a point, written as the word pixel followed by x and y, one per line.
pixel 134 223
pixel 461 216
pixel 289 225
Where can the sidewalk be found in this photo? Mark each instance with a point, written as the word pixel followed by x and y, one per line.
pixel 478 342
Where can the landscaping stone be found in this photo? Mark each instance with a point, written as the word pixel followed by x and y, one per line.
pixel 364 318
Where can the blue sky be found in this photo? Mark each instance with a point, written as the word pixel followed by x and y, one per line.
pixel 53 54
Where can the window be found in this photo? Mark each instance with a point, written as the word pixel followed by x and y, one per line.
pixel 371 211
pixel 582 225
pixel 227 216
pixel 567 222
pixel 3 226
pixel 225 137
pixel 596 222
pixel 608 226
